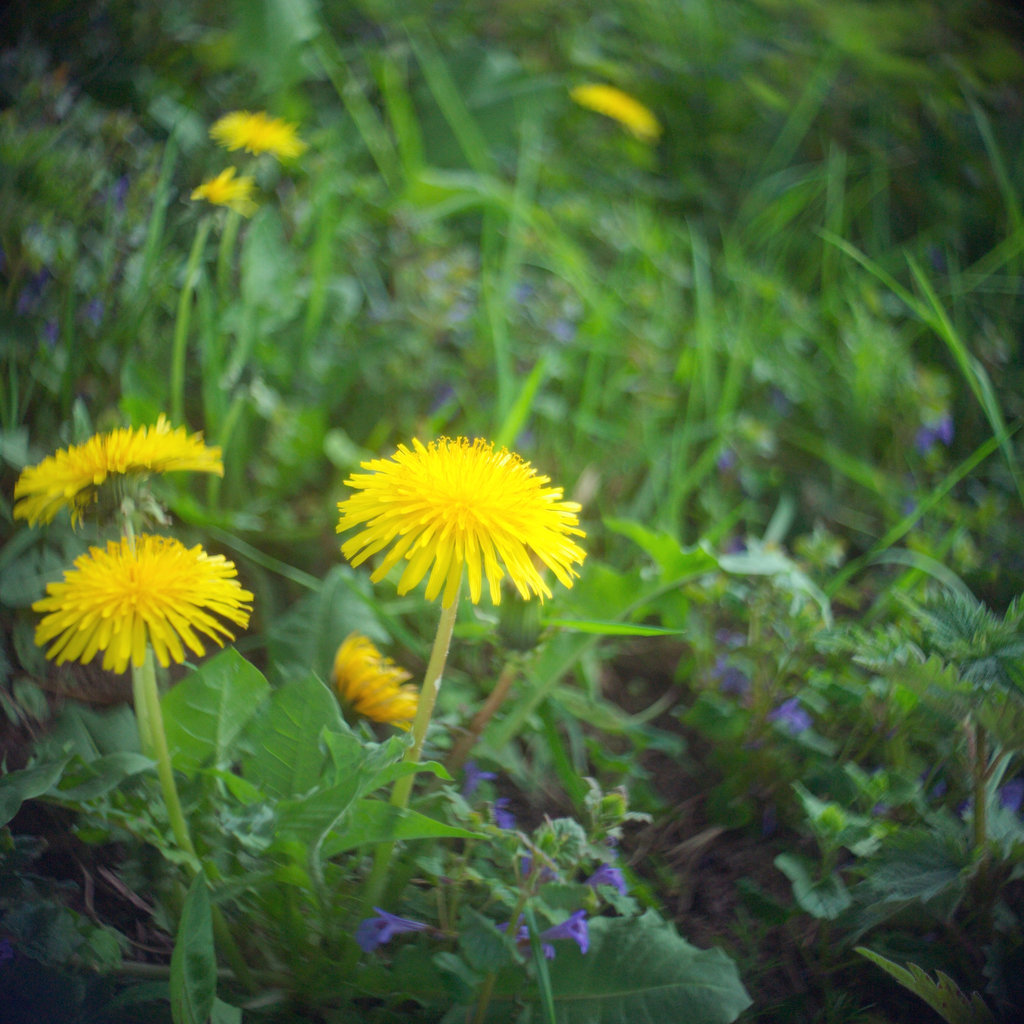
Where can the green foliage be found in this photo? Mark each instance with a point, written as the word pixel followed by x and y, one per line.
pixel 941 994
pixel 193 963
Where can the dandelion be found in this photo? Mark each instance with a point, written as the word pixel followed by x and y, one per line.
pixel 375 931
pixel 456 504
pixel 227 190
pixel 156 592
pixel 621 107
pixel 257 133
pixel 371 685
pixel 71 477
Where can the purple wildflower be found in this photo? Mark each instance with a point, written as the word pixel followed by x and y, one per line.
pixel 545 874
pixel 472 777
pixel 32 293
pixel 791 715
pixel 575 928
pixel 930 433
pixel 6 951
pixel 1011 796
pixel 606 874
pixel 121 191
pixel 730 679
pixel 375 931
pixel 503 817
pixel 94 312
pixel 726 460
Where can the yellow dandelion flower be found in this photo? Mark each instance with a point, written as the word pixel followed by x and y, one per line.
pixel 456 503
pixel 371 685
pixel 158 592
pixel 71 477
pixel 227 190
pixel 258 133
pixel 616 104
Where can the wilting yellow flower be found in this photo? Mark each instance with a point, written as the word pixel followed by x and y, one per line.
pixel 371 685
pixel 258 133
pixel 614 103
pixel 73 475
pixel 227 190
pixel 158 592
pixel 456 503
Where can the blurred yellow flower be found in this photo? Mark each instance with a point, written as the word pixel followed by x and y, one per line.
pixel 227 190
pixel 614 103
pixel 71 477
pixel 371 685
pixel 456 503
pixel 157 592
pixel 258 133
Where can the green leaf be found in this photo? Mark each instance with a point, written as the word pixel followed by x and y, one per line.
pixel 87 780
pixel 640 969
pixel 27 784
pixel 942 995
pixel 285 757
pixel 610 628
pixel 821 898
pixel 674 561
pixel 193 964
pixel 374 821
pixel 205 713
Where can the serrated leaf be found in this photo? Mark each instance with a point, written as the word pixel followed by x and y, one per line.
pixel 193 963
pixel 285 757
pixel 942 994
pixel 205 713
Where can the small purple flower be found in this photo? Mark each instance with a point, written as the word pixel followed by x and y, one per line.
pixel 503 817
pixel 31 294
pixel 6 951
pixel 375 931
pixel 575 928
pixel 51 332
pixel 726 460
pixel 930 433
pixel 472 777
pixel 94 312
pixel 546 873
pixel 606 874
pixel 1011 796
pixel 121 191
pixel 562 330
pixel 791 715
pixel 730 679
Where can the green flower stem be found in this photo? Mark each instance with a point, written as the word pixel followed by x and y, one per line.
pixel 154 744
pixel 424 710
pixel 428 698
pixel 181 323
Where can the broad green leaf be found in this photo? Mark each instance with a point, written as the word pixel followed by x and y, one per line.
pixel 821 898
pixel 942 995
pixel 674 561
pixel 91 734
pixel 87 780
pixel 374 821
pixel 205 713
pixel 610 628
pixel 27 784
pixel 641 969
pixel 284 756
pixel 193 963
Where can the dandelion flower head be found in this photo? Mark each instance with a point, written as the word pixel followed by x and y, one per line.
pixel 156 592
pixel 621 107
pixel 227 190
pixel 72 476
pixel 257 133
pixel 371 685
pixel 455 504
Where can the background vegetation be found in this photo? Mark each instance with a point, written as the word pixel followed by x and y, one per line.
pixel 776 356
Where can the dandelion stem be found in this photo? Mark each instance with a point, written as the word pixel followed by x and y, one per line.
pixel 154 744
pixel 181 322
pixel 424 709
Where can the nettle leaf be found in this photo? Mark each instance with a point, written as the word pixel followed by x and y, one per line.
pixel 205 713
pixel 942 994
pixel 193 963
